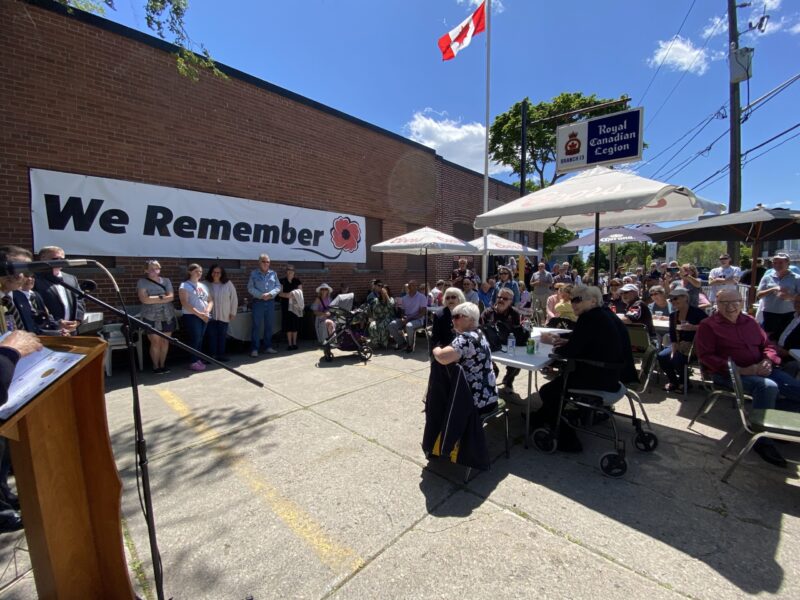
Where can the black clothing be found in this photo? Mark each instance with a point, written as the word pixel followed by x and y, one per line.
pixel 8 362
pixel 511 319
pixel 47 286
pixel 452 422
pixel 638 312
pixel 442 331
pixel 290 321
pixel 598 335
pixel 748 273
pixel 34 314
pixel 693 316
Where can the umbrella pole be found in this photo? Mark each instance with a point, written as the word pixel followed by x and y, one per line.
pixel 597 249
pixel 426 270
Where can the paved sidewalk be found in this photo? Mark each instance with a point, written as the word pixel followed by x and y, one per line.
pixel 316 487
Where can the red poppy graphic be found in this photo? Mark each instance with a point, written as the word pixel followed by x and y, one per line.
pixel 345 234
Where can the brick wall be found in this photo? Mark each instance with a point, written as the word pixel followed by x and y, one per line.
pixel 83 95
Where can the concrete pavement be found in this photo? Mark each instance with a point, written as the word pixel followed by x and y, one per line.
pixel 316 487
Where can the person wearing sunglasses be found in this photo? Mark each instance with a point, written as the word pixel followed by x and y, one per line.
pixel 471 351
pixel 730 333
pixel 442 330
pixel 502 314
pixel 599 336
pixel 506 282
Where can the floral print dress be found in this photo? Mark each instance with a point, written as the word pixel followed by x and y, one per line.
pixel 382 314
pixel 476 360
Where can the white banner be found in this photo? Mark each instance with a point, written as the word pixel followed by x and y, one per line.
pixel 109 217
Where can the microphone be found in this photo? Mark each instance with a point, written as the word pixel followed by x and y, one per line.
pixel 40 266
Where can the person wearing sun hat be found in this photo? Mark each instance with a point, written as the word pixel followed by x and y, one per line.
pixel 323 325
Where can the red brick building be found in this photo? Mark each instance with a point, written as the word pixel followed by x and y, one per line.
pixel 84 95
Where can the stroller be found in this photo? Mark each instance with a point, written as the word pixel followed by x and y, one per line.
pixel 350 334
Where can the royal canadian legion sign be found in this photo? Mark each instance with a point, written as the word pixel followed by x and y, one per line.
pixel 610 139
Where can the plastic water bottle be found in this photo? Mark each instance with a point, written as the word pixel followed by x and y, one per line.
pixel 511 346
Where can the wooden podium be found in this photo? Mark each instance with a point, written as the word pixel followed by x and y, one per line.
pixel 68 484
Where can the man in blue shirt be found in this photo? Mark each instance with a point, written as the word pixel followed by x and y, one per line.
pixel 264 287
pixel 776 292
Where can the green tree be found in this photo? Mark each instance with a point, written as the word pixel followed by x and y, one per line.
pixel 603 257
pixel 578 264
pixel 506 132
pixel 166 19
pixel 702 254
pixel 555 237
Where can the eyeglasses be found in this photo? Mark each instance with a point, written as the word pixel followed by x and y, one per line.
pixel 457 317
pixel 729 301
pixel 451 297
pixel 266 261
pixel 576 299
pixel 656 293
pixel 503 299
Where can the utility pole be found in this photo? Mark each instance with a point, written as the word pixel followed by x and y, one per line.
pixel 735 178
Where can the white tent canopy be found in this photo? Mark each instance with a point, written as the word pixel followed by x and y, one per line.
pixel 620 197
pixel 425 241
pixel 500 245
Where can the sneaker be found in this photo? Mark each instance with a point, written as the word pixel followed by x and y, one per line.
pixel 254 354
pixel 271 351
pixel 197 366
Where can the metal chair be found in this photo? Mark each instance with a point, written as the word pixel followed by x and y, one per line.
pixel 500 411
pixel 760 423
pixel 714 393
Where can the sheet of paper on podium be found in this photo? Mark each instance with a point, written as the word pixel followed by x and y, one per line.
pixel 33 374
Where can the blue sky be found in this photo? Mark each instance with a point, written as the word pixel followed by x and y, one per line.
pixel 378 60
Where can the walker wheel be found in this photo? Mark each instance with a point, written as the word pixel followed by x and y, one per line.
pixel 613 465
pixel 544 440
pixel 645 441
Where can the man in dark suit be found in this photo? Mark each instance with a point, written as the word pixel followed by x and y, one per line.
pixel 34 314
pixel 62 303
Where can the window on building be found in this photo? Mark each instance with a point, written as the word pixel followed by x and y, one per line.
pixel 373 235
pixel 414 262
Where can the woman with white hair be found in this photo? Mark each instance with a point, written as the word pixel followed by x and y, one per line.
pixel 471 351
pixel 599 336
pixel 442 330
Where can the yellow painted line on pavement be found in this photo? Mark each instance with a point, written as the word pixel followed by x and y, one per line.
pixel 332 554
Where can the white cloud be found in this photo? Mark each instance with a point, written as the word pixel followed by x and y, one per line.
pixel 461 143
pixel 780 204
pixel 795 29
pixel 717 25
pixel 497 5
pixel 679 54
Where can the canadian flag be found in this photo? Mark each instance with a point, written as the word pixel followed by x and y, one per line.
pixel 459 38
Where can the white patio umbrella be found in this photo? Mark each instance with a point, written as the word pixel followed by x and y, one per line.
pixel 618 197
pixel 425 241
pixel 500 245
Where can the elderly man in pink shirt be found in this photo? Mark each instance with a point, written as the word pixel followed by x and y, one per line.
pixel 729 333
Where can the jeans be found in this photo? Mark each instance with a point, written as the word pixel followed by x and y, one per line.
pixel 411 327
pixel 672 365
pixel 195 329
pixel 217 332
pixel 263 312
pixel 765 390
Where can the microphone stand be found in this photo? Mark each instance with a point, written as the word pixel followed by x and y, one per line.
pixel 141 444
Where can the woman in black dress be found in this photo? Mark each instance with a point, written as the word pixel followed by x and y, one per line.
pixel 291 322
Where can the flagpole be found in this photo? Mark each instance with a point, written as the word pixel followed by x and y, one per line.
pixel 485 261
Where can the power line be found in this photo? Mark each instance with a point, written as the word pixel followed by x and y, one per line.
pixel 663 58
pixel 689 141
pixel 746 112
pixel 724 169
